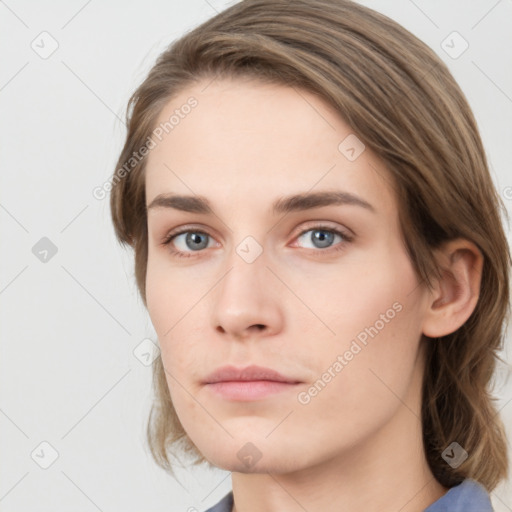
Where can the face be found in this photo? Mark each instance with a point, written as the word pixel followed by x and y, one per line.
pixel 287 311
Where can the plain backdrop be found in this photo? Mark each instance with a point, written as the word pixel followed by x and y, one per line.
pixel 75 387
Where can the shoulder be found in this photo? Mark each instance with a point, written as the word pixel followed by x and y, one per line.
pixel 224 505
pixel 469 496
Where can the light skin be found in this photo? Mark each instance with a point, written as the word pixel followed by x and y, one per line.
pixel 356 444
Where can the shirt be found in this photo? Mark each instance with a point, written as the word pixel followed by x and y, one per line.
pixel 469 496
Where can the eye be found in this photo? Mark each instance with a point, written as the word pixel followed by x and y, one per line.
pixel 187 242
pixel 322 237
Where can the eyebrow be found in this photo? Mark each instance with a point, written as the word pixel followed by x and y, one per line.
pixel 293 203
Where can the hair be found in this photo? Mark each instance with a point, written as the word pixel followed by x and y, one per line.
pixel 401 101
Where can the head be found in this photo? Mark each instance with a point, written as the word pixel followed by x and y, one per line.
pixel 407 282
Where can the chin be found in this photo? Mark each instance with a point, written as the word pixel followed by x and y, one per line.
pixel 273 466
pixel 243 456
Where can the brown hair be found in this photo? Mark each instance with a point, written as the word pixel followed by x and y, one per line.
pixel 401 101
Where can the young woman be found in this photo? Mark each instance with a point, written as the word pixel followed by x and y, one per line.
pixel 318 242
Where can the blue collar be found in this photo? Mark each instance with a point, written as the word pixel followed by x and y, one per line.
pixel 469 496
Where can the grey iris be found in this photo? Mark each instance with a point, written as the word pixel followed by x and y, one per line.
pixel 194 242
pixel 322 238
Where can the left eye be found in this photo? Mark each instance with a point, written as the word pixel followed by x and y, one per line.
pixel 320 238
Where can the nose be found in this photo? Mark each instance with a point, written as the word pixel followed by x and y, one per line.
pixel 246 301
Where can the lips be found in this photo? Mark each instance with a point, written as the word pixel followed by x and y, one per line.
pixel 248 384
pixel 250 373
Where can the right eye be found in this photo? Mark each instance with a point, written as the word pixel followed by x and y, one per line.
pixel 187 242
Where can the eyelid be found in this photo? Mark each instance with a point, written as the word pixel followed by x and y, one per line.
pixel 327 225
pixel 195 228
pixel 348 233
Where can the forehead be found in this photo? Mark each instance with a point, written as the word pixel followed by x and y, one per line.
pixel 250 142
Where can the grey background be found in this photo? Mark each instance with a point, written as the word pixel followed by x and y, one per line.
pixel 72 368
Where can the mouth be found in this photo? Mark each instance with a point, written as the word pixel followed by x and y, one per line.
pixel 249 383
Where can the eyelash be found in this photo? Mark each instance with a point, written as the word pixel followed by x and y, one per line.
pixel 339 247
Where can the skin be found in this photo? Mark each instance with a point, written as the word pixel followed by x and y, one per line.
pixel 356 445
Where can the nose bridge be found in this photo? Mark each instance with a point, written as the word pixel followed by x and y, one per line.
pixel 245 296
pixel 242 285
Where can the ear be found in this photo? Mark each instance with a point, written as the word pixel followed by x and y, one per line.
pixel 455 294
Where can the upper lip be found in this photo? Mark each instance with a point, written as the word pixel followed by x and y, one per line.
pixel 249 373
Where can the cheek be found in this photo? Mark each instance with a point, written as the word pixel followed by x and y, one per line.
pixel 340 302
pixel 177 308
pixel 170 296
pixel 375 313
pixel 359 387
pixel 168 304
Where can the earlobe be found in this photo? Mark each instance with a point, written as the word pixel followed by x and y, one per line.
pixel 455 293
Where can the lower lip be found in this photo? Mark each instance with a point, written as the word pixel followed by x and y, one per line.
pixel 249 390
